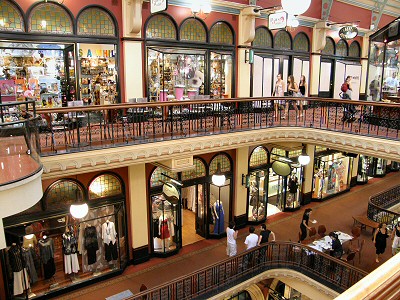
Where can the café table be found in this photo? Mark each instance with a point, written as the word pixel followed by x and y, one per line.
pixel 325 244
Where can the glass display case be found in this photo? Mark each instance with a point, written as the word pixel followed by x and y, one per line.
pixel 383 67
pixel 218 214
pixel 362 171
pixel 331 175
pixel 221 75
pixel 257 196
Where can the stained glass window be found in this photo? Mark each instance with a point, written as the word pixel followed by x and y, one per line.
pixel 329 47
pixel 301 43
pixel 320 148
pixel 354 49
pixel 258 157
pixel 49 17
pixel 193 30
pixel 160 27
pixel 276 152
pixel 341 48
pixel 262 38
pixel 295 153
pixel 62 193
pixel 95 21
pixel 10 17
pixel 223 160
pixel 198 171
pixel 157 176
pixel 282 40
pixel 221 33
pixel 105 185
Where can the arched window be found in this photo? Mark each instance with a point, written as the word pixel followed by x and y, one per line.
pixel 282 40
pixel 223 160
pixel 161 27
pixel 221 33
pixel 48 17
pixel 301 43
pixel 355 49
pixel 258 157
pixel 157 176
pixel 62 193
pixel 11 18
pixel 193 30
pixel 105 185
pixel 198 171
pixel 95 21
pixel 262 38
pixel 329 48
pixel 341 48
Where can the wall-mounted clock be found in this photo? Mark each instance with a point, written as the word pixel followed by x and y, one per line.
pixel 158 5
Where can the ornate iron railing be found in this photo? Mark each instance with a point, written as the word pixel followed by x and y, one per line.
pixel 65 130
pixel 379 206
pixel 230 272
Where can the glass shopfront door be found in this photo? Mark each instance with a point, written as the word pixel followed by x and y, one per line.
pixel 218 209
pixel 257 196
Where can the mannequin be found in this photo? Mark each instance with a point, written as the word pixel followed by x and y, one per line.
pixel 18 267
pixel 163 230
pixel 91 244
pixel 46 249
pixel 218 211
pixel 29 239
pixel 70 245
pixel 109 236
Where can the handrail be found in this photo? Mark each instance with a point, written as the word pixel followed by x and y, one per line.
pixel 378 206
pixel 220 276
pixel 72 129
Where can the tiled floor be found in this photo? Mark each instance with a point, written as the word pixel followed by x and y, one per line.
pixel 335 214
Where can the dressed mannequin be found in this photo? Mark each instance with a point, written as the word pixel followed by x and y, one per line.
pixel 164 230
pixel 29 239
pixel 218 211
pixel 70 249
pixel 109 236
pixel 46 249
pixel 29 253
pixel 18 267
pixel 91 244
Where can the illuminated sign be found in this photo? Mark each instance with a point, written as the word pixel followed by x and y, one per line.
pixel 348 32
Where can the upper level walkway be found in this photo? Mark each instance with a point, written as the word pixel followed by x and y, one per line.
pixel 158 271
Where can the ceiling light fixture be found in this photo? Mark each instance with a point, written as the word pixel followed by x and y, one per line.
pixel 304 158
pixel 218 178
pixel 295 7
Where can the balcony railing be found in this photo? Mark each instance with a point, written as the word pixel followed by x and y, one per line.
pixel 65 130
pixel 230 272
pixel 379 206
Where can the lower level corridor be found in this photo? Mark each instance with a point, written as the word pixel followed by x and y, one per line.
pixel 335 214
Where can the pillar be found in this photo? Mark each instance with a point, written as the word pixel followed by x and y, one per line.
pixel 364 67
pixel 240 205
pixel 354 171
pixel 308 172
pixel 138 213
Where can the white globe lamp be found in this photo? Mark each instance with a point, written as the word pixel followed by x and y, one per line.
pixel 304 158
pixel 295 7
pixel 218 178
pixel 79 210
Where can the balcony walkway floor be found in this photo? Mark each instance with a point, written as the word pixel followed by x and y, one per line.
pixel 285 225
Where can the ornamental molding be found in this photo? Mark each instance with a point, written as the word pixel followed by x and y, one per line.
pixel 104 159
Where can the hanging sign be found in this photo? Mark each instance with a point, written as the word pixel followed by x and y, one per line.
pixel 394 29
pixel 277 20
pixel 348 32
pixel 158 5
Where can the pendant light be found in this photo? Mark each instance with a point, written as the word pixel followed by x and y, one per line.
pixel 304 158
pixel 218 178
pixel 295 7
pixel 79 210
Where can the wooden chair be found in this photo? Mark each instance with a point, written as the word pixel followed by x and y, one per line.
pixel 312 233
pixel 358 250
pixel 321 231
pixel 356 232
pixel 349 257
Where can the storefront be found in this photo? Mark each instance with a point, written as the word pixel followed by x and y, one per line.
pixel 58 60
pixel 202 210
pixel 201 66
pixel 332 173
pixel 58 252
pixel 338 61
pixel 269 60
pixel 383 68
pixel 369 167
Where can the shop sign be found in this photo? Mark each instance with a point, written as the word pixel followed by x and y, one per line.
pixel 348 32
pixel 158 5
pixel 394 29
pixel 97 53
pixel 277 20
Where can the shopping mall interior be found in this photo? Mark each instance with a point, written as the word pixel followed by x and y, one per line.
pixel 133 133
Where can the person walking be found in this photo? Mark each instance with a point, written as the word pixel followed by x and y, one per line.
pixel 279 91
pixel 396 239
pixel 304 224
pixel 252 239
pixel 265 234
pixel 379 239
pixel 293 91
pixel 231 236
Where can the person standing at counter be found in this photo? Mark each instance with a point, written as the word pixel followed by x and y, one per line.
pixel 392 82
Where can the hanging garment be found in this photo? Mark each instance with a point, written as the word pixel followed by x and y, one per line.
pixel 91 244
pixel 27 256
pixel 108 233
pixel 70 247
pixel 164 231
pixel 71 263
pixel 111 251
pixel 219 222
pixel 46 249
pixel 20 274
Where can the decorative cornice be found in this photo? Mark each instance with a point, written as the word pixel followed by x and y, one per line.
pixel 88 161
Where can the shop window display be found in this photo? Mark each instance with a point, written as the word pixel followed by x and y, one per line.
pixel 218 214
pixel 362 172
pixel 331 175
pixel 257 196
pixel 58 252
pixel 221 70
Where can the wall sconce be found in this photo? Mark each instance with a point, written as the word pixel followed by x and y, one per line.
pixel 201 10
pixel 249 56
pixel 304 158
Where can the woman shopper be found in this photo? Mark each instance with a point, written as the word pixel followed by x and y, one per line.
pixel 379 239
pixel 278 92
pixel 231 236
pixel 293 90
pixel 304 224
pixel 265 234
pixel 396 239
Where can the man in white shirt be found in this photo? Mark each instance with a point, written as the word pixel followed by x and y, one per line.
pixel 252 239
pixel 392 82
pixel 231 236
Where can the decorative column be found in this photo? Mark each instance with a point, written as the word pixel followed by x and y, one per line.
pixel 318 43
pixel 240 205
pixel 132 46
pixel 138 213
pixel 364 66
pixel 308 172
